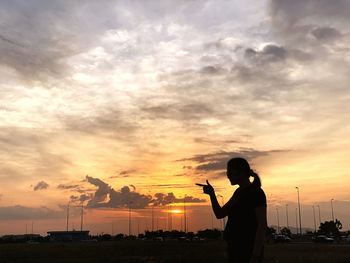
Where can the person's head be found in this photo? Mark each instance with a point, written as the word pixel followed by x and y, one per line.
pixel 238 172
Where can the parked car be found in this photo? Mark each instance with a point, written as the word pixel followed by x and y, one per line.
pixel 322 239
pixel 281 239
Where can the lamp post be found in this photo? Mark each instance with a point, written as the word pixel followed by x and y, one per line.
pixel 313 209
pixel 296 219
pixel 301 231
pixel 223 219
pixel 287 215
pixel 130 218
pixel 278 221
pixel 67 215
pixel 319 213
pixel 332 209
pixel 185 223
pixel 152 218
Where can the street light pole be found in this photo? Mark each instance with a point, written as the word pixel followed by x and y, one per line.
pixel 278 221
pixel 301 230
pixel 319 213
pixel 185 223
pixel 130 218
pixel 313 209
pixel 296 219
pixel 152 218
pixel 67 215
pixel 223 219
pixel 332 209
pixel 287 215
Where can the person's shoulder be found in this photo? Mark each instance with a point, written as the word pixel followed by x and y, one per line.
pixel 260 197
pixel 259 191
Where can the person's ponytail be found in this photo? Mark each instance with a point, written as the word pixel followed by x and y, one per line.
pixel 257 181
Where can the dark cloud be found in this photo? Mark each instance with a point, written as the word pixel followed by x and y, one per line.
pixel 124 173
pixel 326 33
pixel 19 212
pixel 107 120
pixel 67 186
pixel 41 186
pixel 164 199
pixel 192 111
pixel 215 142
pixel 212 70
pixel 218 161
pixel 85 197
pixel 117 199
pixel 37 36
pixel 287 13
pixel 270 53
pixel 107 197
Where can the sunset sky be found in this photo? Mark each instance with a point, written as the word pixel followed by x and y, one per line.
pixel 103 102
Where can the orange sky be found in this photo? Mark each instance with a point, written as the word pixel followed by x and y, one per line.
pixel 110 102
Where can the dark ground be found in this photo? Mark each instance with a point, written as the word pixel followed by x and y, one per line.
pixel 141 251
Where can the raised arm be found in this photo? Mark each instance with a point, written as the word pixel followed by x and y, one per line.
pixel 220 212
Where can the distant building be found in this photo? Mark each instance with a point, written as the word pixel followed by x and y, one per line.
pixel 68 236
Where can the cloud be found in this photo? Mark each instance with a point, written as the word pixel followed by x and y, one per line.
pixel 218 161
pixel 107 197
pixel 288 13
pixel 65 186
pixel 326 33
pixel 41 186
pixel 38 37
pixel 19 212
pixel 270 53
pixel 164 199
pixel 192 111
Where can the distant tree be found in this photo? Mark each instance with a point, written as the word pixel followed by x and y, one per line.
pixel 330 228
pixel 190 235
pixel 270 231
pixel 120 236
pixel 105 237
pixel 209 233
pixel 140 235
pixel 286 231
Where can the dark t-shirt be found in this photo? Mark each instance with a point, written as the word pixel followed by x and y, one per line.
pixel 242 223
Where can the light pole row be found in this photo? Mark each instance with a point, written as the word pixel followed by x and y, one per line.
pixel 313 208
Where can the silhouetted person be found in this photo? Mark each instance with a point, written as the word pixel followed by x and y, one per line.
pixel 246 211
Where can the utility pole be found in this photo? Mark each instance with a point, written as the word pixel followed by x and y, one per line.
pixel 152 219
pixel 185 226
pixel 313 209
pixel 296 219
pixel 169 219
pixel 67 216
pixel 287 215
pixel 130 218
pixel 301 230
pixel 332 209
pixel 82 215
pixel 223 219
pixel 278 221
pixel 319 213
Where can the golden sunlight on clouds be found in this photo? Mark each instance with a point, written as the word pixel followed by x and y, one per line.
pixel 125 112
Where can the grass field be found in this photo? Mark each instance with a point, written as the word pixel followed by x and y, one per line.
pixel 139 251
